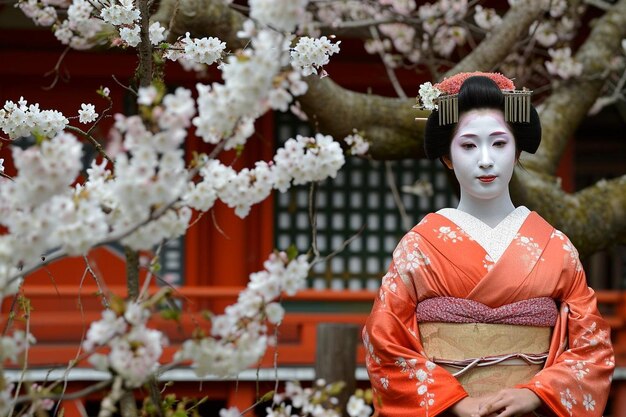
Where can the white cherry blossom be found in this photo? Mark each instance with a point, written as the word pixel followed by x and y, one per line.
pixel 309 54
pixel 563 64
pixel 87 113
pixel 130 35
pixel 147 95
pixel 486 18
pixel 157 33
pixel 283 15
pixel 21 120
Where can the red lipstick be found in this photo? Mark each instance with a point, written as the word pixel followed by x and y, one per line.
pixel 487 178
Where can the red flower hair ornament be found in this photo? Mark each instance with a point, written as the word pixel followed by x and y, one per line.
pixel 443 97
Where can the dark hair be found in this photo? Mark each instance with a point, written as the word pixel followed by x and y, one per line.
pixel 479 92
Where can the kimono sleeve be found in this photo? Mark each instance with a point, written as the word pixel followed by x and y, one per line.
pixel 403 380
pixel 577 377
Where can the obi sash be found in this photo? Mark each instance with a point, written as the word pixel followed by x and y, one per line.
pixel 487 349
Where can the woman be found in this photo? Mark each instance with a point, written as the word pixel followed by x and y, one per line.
pixel 486 291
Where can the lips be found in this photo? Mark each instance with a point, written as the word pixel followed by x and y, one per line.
pixel 487 178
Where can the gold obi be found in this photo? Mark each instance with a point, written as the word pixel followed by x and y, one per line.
pixel 480 352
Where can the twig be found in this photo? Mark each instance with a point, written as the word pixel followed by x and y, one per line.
pixel 218 148
pixel 92 140
pixel 105 302
pixel 313 218
pixel 406 221
pixel 102 115
pixel 56 69
pixel 217 226
pixel 10 315
pixel 174 13
pixel 146 282
pixel 71 396
pixel 390 73
pixel 354 24
pixel 123 86
pixel 339 249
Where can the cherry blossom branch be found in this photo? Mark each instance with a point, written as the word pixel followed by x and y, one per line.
pixel 340 249
pixel 59 253
pixel 99 386
pixel 566 107
pixel 56 70
pixel 390 73
pixel 125 87
pixel 105 301
pixel 92 140
pixel 493 49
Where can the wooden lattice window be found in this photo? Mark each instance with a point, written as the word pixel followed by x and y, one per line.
pixel 359 196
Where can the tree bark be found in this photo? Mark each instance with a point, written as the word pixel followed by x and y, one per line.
pixel 388 124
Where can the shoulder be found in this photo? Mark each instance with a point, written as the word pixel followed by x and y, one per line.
pixel 539 221
pixel 426 225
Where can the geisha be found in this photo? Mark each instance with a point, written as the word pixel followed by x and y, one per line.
pixel 485 309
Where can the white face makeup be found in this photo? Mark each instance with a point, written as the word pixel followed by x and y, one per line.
pixel 483 154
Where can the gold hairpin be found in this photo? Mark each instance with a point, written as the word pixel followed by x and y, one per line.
pixel 516 107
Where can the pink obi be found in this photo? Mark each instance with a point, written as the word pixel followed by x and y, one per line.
pixel 541 311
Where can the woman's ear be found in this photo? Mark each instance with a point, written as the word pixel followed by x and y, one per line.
pixel 447 161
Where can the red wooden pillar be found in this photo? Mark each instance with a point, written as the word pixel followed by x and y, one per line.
pixel 241 395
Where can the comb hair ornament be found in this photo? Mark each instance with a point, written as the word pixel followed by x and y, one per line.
pixel 444 97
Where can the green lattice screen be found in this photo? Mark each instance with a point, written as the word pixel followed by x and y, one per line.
pixel 358 195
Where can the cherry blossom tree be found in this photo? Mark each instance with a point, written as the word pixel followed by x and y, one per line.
pixel 271 55
pixel 537 43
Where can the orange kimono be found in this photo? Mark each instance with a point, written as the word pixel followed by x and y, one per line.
pixel 437 258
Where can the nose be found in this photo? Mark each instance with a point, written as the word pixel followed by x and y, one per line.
pixel 486 161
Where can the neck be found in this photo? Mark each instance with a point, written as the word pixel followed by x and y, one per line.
pixel 491 212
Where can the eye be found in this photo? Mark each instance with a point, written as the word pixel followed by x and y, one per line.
pixel 467 146
pixel 499 143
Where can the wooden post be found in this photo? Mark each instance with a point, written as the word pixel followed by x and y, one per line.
pixel 335 358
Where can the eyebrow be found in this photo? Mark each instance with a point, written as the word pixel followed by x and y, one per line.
pixel 472 135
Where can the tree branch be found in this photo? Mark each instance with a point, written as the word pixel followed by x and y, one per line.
pixel 145 47
pixel 593 218
pixel 201 18
pixel 569 102
pixel 497 45
pixel 388 123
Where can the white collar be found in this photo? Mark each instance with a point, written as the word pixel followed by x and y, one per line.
pixel 494 240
